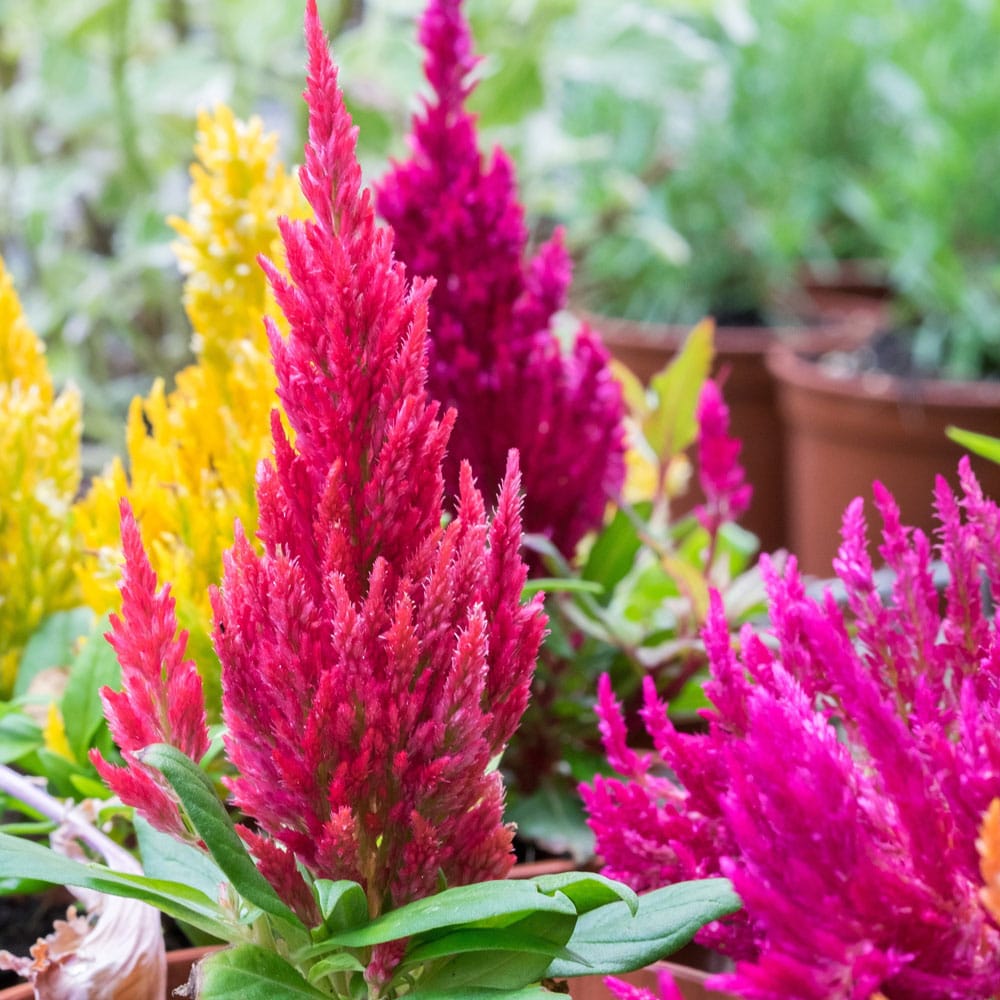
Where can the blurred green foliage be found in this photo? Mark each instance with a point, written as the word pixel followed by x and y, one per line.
pixel 933 211
pixel 695 150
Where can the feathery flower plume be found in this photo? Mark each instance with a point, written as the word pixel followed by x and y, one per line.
pixel 722 479
pixel 845 774
pixel 666 989
pixel 161 700
pixel 374 662
pixel 493 353
pixel 193 453
pixel 40 472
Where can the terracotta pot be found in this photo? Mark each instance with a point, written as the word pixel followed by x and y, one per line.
pixel 846 291
pixel 749 392
pixel 691 983
pixel 842 432
pixel 178 968
pixel 550 866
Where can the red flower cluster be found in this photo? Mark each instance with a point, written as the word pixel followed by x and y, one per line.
pixel 374 662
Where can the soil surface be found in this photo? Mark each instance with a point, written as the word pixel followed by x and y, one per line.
pixel 25 919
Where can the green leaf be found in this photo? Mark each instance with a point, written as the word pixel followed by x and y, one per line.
pixel 249 972
pixel 558 584
pixel 87 787
pixel 165 857
pixel 343 904
pixel 24 859
pixel 212 823
pixel 341 961
pixel 60 773
pixel 95 667
pixel 19 736
pixel 613 552
pixel 984 445
pixel 503 901
pixel 479 993
pixel 613 941
pixel 554 817
pixel 52 645
pixel 526 938
pixel 507 957
pixel 671 427
pixel 587 890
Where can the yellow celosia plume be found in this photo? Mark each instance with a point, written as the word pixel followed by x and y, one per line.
pixel 193 453
pixel 39 479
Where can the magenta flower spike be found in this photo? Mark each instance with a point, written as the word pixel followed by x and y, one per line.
pixel 848 762
pixel 493 353
pixel 722 479
pixel 375 660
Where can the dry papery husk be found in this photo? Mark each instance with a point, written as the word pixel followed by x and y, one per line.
pixel 113 952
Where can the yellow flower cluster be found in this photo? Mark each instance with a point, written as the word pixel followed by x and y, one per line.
pixel 39 479
pixel 193 452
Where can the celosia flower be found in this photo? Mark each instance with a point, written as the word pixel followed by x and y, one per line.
pixel 40 472
pixel 847 766
pixel 162 700
pixel 374 662
pixel 722 479
pixel 666 989
pixel 192 454
pixel 493 352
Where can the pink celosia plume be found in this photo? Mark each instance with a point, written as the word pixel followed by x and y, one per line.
pixel 493 353
pixel 848 762
pixel 161 700
pixel 667 989
pixel 722 479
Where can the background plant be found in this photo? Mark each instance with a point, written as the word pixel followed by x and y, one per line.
pixel 193 453
pixel 40 465
pixel 932 210
pixel 698 158
pixel 637 599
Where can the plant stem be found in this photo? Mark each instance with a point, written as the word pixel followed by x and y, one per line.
pixel 24 790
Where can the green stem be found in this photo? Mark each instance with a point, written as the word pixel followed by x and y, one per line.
pixel 18 787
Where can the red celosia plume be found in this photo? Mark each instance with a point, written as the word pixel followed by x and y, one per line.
pixel 375 660
pixel 162 699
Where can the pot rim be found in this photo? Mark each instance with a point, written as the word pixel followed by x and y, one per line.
pixel 805 370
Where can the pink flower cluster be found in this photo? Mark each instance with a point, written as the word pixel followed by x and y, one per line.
pixel 374 662
pixel 722 479
pixel 493 353
pixel 849 759
pixel 667 989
